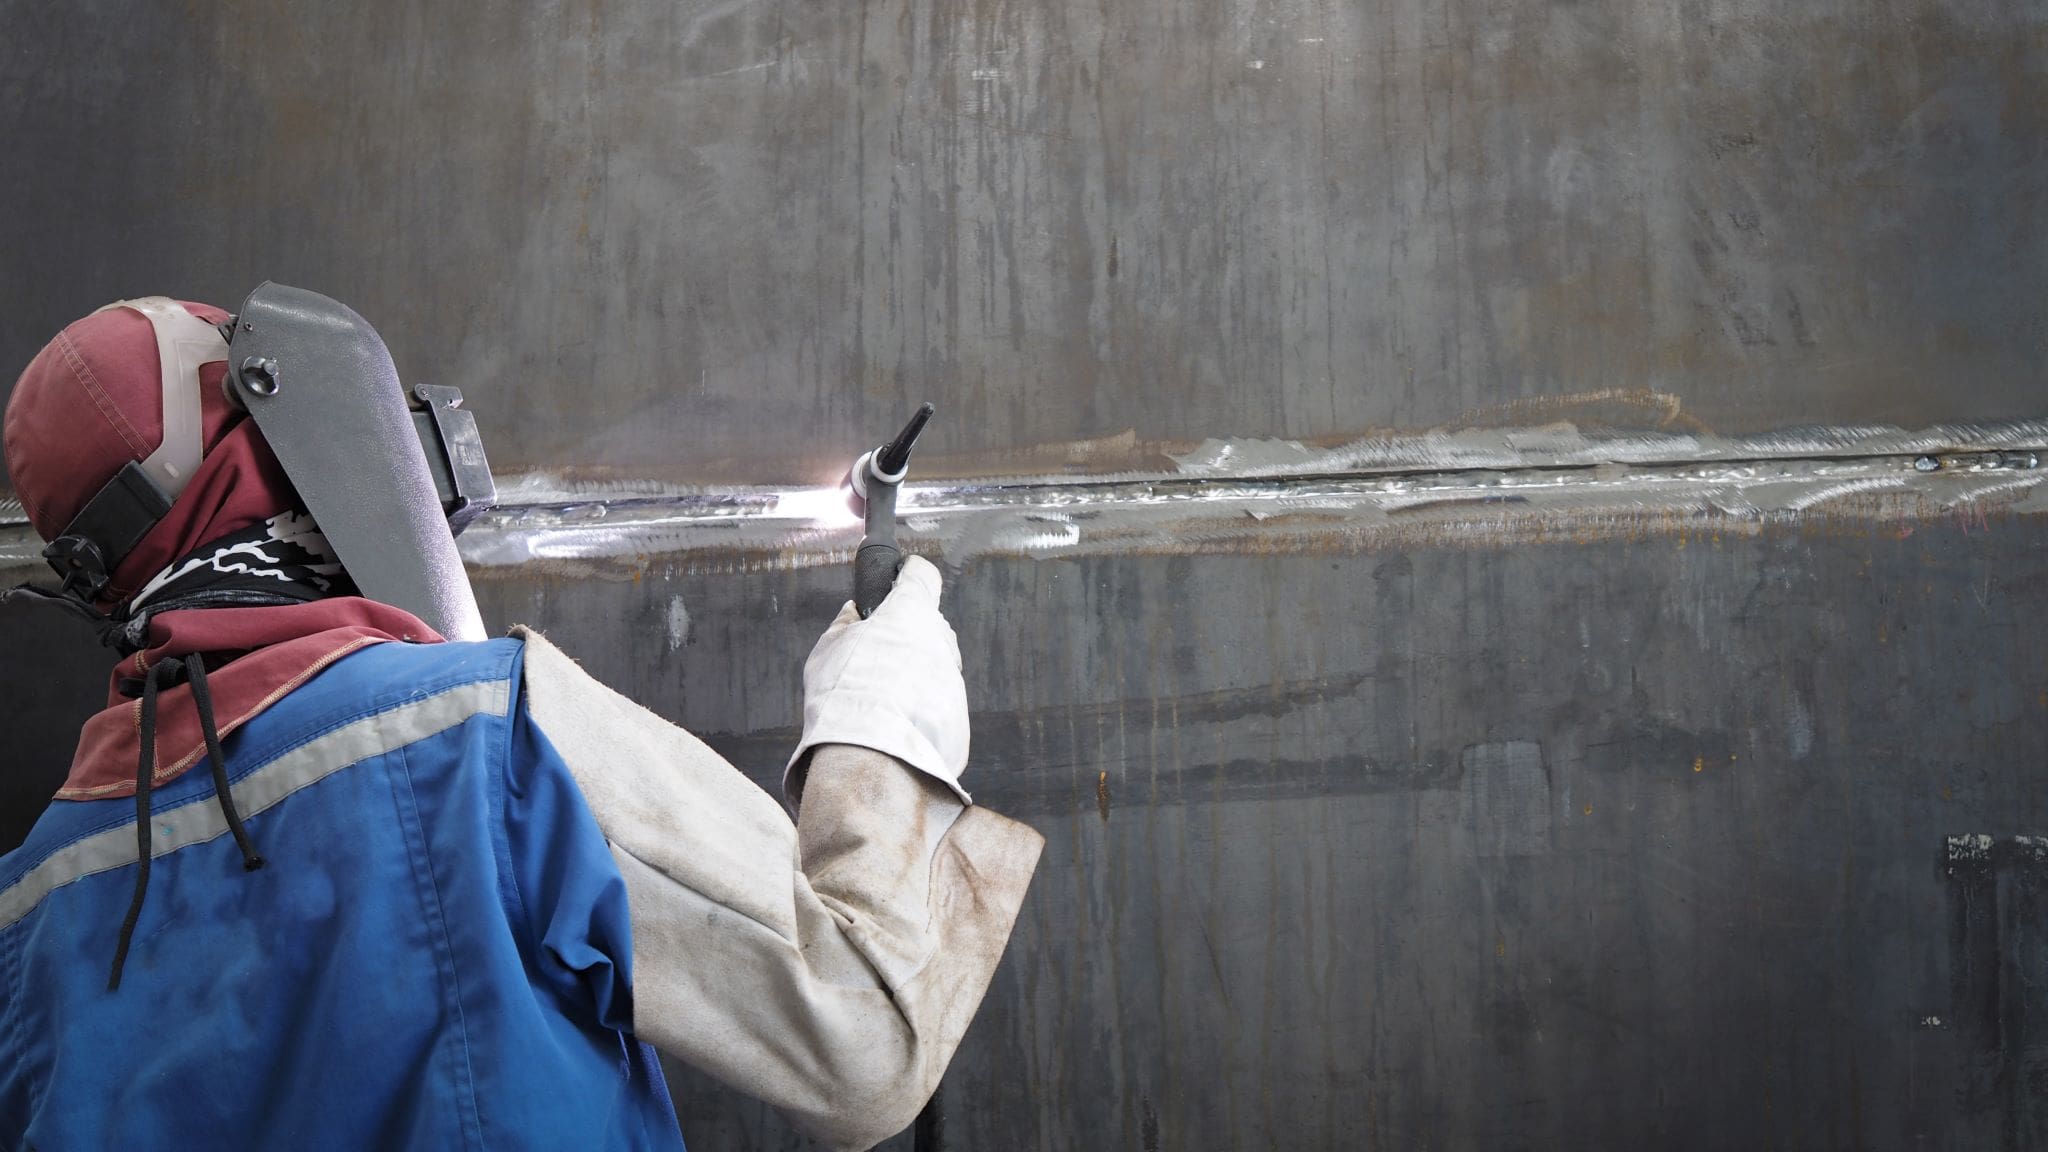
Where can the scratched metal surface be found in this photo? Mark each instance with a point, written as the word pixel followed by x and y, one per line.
pixel 1628 843
pixel 724 240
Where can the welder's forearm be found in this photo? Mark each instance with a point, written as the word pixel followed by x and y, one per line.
pixel 803 1014
pixel 902 898
pixel 866 834
pixel 797 1020
pixel 925 887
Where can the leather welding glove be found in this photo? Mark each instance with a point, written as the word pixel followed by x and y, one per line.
pixel 891 683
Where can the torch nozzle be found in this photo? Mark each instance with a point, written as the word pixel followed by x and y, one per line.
pixel 892 457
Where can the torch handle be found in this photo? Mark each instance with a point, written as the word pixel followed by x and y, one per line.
pixel 875 565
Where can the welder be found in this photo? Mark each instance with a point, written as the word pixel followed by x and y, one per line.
pixel 333 871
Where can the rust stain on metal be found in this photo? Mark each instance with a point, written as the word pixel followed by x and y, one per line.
pixel 1604 407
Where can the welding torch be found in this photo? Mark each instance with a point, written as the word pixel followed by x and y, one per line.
pixel 874 480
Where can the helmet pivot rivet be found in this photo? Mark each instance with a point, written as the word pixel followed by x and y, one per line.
pixel 259 375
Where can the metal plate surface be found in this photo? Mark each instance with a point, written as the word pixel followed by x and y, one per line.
pixel 726 242
pixel 1625 819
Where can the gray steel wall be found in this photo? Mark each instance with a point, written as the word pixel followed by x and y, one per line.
pixel 717 240
pixel 1662 833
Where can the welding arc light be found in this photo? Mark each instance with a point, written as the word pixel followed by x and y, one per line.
pixel 820 507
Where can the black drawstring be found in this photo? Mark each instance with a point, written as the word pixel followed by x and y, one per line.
pixel 168 672
pixel 145 773
pixel 195 669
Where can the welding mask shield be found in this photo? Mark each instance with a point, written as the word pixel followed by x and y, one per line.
pixel 389 476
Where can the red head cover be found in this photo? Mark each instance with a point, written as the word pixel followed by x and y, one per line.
pixel 90 402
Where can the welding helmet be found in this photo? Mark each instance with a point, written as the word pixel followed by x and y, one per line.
pixel 112 422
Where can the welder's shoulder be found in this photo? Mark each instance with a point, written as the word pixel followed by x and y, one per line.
pixel 635 768
pixel 402 669
pixel 386 677
pixel 557 691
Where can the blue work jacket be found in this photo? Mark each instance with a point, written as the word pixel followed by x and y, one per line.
pixel 436 955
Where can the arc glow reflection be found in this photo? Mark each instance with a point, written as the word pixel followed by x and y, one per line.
pixel 819 507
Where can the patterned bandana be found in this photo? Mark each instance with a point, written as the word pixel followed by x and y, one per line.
pixel 282 560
